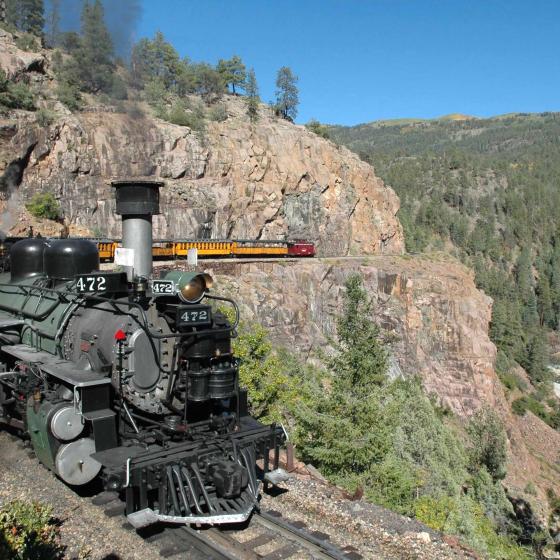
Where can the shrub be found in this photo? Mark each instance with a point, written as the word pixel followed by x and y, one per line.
pixel 488 443
pixel 181 115
pixel 318 128
pixel 44 205
pixel 218 113
pixel 273 381
pixel 15 95
pixel 27 42
pixel 45 117
pixel 28 531
pixel 69 95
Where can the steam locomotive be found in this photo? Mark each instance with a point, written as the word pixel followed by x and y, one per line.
pixel 131 380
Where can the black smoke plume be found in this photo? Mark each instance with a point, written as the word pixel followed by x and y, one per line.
pixel 121 18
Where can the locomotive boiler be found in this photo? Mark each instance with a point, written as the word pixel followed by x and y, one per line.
pixel 130 379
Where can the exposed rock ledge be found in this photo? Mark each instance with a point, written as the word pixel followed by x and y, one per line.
pixel 236 180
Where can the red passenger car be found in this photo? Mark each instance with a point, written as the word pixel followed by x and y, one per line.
pixel 301 249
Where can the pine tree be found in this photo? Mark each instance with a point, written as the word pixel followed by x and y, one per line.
pixel 155 59
pixel 346 428
pixel 233 72
pixel 94 56
pixel 523 274
pixel 26 15
pixel 53 24
pixel 252 92
pixel 287 94
pixel 33 18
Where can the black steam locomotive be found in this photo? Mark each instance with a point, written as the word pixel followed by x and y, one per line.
pixel 118 376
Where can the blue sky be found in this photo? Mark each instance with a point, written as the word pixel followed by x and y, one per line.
pixel 364 60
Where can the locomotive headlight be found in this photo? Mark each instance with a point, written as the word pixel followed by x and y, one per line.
pixel 191 286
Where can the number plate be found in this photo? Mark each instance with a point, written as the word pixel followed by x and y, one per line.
pixel 194 315
pixel 108 282
pixel 163 287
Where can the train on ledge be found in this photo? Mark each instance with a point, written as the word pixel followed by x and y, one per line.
pixel 178 249
pixel 129 379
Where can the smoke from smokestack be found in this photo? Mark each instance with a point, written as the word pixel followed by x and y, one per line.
pixel 121 18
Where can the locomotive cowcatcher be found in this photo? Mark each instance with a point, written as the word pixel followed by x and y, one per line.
pixel 130 379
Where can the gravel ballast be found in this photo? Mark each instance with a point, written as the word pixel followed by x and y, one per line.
pixel 88 534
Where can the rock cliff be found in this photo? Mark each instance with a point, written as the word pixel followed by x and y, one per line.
pixel 436 322
pixel 235 179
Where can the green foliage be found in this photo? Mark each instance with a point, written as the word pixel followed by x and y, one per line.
pixel 362 430
pixel 232 72
pixel 275 382
pixel 467 519
pixel 69 95
pixel 155 60
pixel 15 95
pixel 45 117
pixel 28 532
pixel 44 205
pixel 92 65
pixel 181 115
pixel 287 94
pixel 27 42
pixel 488 440
pixel 26 15
pixel 488 187
pixel 218 113
pixel 318 128
pixel 207 82
pixel 252 96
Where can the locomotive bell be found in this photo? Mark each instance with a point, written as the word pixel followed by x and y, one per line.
pixel 191 286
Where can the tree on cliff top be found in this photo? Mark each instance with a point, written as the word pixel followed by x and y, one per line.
pixel 287 94
pixel 233 72
pixel 252 91
pixel 26 15
pixel 94 56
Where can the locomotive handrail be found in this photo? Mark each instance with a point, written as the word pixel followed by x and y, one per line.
pixel 28 314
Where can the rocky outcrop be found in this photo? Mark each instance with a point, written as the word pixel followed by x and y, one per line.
pixel 16 62
pixel 269 180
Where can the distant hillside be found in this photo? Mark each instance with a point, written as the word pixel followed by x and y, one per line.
pixel 487 190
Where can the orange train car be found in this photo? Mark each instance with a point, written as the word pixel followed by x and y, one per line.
pixel 169 249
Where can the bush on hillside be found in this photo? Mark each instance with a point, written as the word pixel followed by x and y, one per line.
pixel 44 205
pixel 15 95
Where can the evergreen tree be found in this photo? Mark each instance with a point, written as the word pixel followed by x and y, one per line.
pixel 26 15
pixel 233 72
pixel 33 18
pixel 348 435
pixel 523 274
pixel 252 92
pixel 287 94
pixel 155 59
pixel 207 82
pixel 94 56
pixel 544 301
pixel 53 24
pixel 537 366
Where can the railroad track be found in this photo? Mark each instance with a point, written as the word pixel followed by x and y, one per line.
pixel 266 536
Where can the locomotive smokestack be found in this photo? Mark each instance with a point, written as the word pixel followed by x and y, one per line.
pixel 137 202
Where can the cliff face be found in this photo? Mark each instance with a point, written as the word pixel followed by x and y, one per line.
pixel 269 180
pixel 436 323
